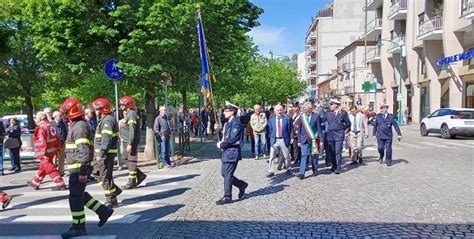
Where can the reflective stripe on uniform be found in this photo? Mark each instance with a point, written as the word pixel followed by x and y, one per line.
pixel 132 174
pixel 90 202
pixel 132 122
pixel 79 213
pixel 97 205
pixel 109 151
pixel 71 146
pixel 77 165
pixel 79 221
pixel 82 141
pixel 106 131
pixel 108 192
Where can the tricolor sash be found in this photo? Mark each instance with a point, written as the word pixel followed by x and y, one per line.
pixel 313 136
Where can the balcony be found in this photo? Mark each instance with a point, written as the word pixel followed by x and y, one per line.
pixel 431 29
pixel 468 9
pixel 310 62
pixel 395 45
pixel 349 90
pixel 373 5
pixel 398 10
pixel 311 75
pixel 374 27
pixel 328 12
pixel 311 38
pixel 373 55
pixel 346 67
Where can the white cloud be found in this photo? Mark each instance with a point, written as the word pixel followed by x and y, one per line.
pixel 271 38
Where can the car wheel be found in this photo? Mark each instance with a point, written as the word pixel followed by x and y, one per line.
pixel 423 130
pixel 445 132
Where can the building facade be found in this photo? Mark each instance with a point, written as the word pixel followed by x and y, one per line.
pixel 333 28
pixel 433 38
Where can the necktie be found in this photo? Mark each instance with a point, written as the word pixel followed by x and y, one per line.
pixel 279 128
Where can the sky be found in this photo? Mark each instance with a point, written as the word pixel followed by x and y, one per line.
pixel 283 25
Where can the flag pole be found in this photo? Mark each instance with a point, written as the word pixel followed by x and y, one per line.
pixel 211 76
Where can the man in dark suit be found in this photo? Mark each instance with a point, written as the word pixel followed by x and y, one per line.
pixel 280 130
pixel 308 138
pixel 231 152
pixel 383 131
pixel 338 123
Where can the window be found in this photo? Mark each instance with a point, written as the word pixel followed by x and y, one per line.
pixel 435 114
pixel 471 60
pixel 423 69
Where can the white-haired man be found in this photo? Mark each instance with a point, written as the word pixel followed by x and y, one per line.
pixel 280 137
pixel 47 145
pixel 163 133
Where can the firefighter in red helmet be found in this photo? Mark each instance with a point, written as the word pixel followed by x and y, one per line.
pixel 47 146
pixel 105 150
pixel 130 137
pixel 79 157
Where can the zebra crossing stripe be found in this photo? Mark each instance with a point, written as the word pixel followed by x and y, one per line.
pixel 66 206
pixel 114 219
pixel 47 193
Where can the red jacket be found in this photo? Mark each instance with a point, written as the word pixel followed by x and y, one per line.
pixel 46 141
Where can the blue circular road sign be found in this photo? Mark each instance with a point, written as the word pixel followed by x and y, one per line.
pixel 112 71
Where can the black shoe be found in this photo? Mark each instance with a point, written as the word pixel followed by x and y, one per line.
pixel 333 169
pixel 315 174
pixel 381 160
pixel 288 172
pixel 140 178
pixel 242 190
pixel 7 202
pixel 112 204
pixel 338 171
pixel 129 185
pixel 354 163
pixel 301 176
pixel 17 170
pixel 279 168
pixel 103 219
pixel 327 164
pixel 389 164
pixel 224 200
pixel 361 161
pixel 269 175
pixel 74 232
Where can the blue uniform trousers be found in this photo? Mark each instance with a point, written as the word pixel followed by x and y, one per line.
pixel 385 146
pixel 305 153
pixel 335 152
pixel 227 171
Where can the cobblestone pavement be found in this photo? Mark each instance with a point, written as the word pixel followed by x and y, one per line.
pixel 428 192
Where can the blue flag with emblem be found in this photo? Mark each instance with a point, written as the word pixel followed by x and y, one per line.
pixel 204 63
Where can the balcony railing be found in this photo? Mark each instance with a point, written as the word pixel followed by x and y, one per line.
pixel 312 74
pixel 376 22
pixel 373 54
pixel 398 6
pixel 345 67
pixel 348 90
pixel 430 25
pixel 328 12
pixel 394 45
pixel 468 7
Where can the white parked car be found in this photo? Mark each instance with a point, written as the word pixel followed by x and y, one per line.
pixel 449 122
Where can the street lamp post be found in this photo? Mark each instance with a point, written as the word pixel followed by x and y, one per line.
pixel 400 44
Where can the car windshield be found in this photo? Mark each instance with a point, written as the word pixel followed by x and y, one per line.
pixel 465 114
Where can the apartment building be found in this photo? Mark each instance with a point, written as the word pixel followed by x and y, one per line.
pixel 435 39
pixel 334 27
pixel 352 76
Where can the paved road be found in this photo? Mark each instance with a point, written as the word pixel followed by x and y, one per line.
pixel 428 192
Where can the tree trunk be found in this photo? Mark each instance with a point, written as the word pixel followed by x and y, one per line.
pixel 28 104
pixel 150 119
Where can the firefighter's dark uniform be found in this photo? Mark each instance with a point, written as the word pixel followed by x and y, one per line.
pixel 130 135
pixel 105 147
pixel 79 162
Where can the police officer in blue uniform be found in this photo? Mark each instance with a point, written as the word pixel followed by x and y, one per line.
pixel 383 131
pixel 231 152
pixel 337 124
